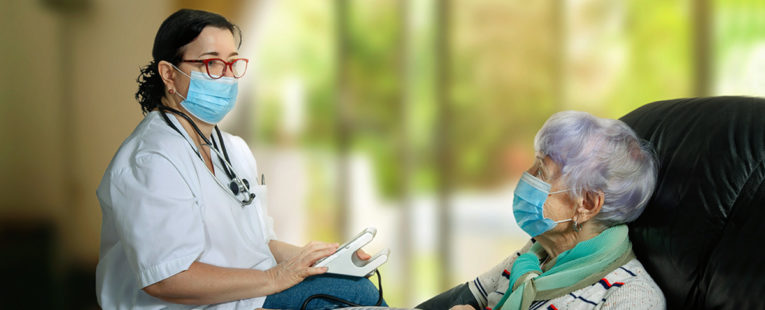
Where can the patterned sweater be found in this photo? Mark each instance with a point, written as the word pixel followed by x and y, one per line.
pixel 626 287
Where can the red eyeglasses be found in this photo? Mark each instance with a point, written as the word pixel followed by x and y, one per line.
pixel 216 67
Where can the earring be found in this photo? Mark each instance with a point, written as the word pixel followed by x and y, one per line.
pixel 172 91
pixel 577 227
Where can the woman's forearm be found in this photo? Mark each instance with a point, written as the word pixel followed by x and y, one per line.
pixel 282 251
pixel 204 284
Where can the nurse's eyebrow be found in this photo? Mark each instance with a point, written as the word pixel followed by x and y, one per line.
pixel 216 54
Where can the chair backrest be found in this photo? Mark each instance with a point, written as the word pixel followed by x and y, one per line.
pixel 702 235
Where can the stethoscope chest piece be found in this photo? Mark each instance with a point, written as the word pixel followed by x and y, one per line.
pixel 242 186
pixel 236 187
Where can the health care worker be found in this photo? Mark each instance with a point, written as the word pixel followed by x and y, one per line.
pixel 184 213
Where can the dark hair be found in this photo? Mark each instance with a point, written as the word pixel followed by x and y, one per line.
pixel 176 31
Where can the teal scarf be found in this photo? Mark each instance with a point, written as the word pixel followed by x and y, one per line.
pixel 574 269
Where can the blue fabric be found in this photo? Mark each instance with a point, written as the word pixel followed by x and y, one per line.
pixel 207 99
pixel 356 290
pixel 528 205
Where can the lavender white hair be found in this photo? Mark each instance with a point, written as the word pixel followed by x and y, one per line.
pixel 601 155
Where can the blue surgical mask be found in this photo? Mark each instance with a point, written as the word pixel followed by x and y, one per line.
pixel 528 205
pixel 207 99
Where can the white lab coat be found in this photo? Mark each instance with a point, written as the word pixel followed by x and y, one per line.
pixel 162 210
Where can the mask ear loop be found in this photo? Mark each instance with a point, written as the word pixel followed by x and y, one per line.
pixel 566 220
pixel 577 226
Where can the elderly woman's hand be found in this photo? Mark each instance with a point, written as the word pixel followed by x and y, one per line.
pixel 462 307
pixel 292 271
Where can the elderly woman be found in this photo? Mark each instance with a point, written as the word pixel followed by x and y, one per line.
pixel 590 177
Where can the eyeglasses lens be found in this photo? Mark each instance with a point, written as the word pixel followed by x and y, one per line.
pixel 239 67
pixel 216 67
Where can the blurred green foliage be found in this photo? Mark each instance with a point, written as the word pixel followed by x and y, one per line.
pixel 513 64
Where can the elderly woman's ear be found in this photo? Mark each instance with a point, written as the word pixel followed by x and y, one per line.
pixel 589 206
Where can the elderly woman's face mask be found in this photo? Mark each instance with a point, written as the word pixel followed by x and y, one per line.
pixel 528 205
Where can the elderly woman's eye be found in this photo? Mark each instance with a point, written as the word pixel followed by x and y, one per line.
pixel 540 174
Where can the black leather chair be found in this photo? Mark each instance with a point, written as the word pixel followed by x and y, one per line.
pixel 702 235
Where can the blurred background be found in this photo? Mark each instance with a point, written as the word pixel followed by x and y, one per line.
pixel 412 116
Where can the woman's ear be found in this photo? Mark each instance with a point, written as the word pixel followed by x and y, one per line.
pixel 167 73
pixel 591 204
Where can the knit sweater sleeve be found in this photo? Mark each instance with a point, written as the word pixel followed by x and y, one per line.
pixel 637 294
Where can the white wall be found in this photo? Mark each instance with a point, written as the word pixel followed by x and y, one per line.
pixel 66 103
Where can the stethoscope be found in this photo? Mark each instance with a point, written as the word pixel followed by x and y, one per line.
pixel 237 185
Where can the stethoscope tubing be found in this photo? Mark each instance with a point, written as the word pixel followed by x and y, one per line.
pixel 238 185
